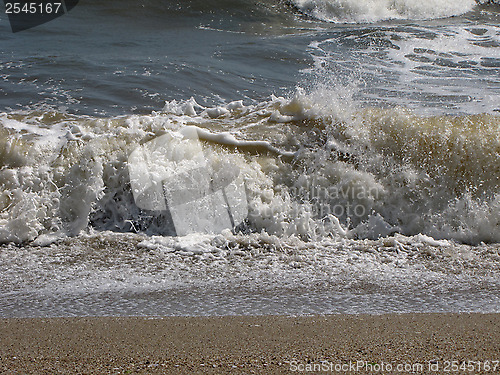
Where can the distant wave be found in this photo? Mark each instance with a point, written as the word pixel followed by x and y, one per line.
pixel 354 11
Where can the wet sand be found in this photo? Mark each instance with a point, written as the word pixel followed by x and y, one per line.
pixel 342 344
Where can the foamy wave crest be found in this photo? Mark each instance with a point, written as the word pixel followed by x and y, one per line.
pixel 354 11
pixel 314 165
pixel 385 171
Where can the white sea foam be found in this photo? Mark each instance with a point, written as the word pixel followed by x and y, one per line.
pixel 348 11
pixel 327 169
pixel 126 274
pixel 401 254
pixel 430 71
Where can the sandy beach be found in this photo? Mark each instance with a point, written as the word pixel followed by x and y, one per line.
pixel 409 343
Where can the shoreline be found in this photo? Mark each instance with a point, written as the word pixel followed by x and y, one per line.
pixel 246 345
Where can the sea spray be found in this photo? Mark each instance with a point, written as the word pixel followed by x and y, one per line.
pixel 338 170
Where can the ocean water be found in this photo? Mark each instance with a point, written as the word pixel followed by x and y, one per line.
pixel 367 134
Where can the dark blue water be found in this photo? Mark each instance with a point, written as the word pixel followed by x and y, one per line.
pixel 117 58
pixel 114 58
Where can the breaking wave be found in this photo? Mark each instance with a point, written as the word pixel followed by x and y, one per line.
pixel 352 11
pixel 315 166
